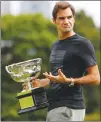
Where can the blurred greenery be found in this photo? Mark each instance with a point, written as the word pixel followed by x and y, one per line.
pixel 31 36
pixel 93 116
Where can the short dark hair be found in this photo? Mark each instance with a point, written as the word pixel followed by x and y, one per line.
pixel 62 5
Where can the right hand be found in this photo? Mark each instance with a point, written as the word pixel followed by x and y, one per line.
pixel 36 83
pixel 40 82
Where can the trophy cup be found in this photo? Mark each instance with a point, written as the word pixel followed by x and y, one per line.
pixel 30 98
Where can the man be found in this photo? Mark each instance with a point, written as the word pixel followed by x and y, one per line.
pixel 73 64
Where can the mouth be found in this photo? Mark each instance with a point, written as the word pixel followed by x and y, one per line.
pixel 66 26
pixel 65 29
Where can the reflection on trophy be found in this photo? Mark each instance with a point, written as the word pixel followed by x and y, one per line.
pixel 30 98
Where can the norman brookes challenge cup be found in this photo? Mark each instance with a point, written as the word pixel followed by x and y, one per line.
pixel 30 98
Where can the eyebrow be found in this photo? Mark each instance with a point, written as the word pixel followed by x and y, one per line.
pixel 62 17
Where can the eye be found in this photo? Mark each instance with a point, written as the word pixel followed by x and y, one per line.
pixel 61 18
pixel 69 17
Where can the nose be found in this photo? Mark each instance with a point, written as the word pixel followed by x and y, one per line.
pixel 66 20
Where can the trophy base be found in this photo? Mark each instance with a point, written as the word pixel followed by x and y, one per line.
pixel 32 100
pixel 33 108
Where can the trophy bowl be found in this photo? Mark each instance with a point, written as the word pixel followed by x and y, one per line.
pixel 30 98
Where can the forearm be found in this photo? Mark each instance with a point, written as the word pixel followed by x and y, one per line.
pixel 44 82
pixel 93 77
pixel 88 79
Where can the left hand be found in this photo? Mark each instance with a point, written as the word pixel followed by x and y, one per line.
pixel 60 78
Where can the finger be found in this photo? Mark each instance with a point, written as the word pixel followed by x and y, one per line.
pixel 45 73
pixel 54 78
pixel 51 77
pixel 60 73
pixel 50 73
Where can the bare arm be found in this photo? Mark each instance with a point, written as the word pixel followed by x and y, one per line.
pixel 41 82
pixel 93 77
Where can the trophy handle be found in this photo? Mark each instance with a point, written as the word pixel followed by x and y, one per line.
pixel 6 67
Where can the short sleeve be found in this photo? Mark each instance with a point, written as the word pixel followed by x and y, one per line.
pixel 87 53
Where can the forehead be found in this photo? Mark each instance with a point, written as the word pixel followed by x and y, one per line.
pixel 64 12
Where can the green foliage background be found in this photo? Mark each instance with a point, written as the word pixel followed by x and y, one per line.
pixel 31 37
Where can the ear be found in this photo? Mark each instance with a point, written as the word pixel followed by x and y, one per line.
pixel 53 21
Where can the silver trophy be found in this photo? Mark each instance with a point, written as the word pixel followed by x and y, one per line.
pixel 30 98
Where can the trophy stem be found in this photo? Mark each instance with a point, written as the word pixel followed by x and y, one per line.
pixel 26 85
pixel 29 85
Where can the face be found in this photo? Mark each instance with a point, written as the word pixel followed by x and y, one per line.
pixel 64 20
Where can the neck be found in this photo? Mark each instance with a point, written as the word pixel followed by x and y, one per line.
pixel 65 35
